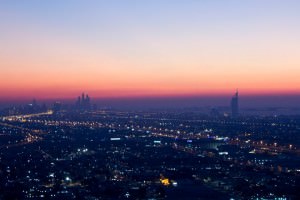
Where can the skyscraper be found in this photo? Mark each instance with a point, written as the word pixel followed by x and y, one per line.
pixel 83 102
pixel 235 104
pixel 82 97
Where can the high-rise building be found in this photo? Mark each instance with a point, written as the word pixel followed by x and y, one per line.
pixel 78 101
pixel 235 104
pixel 83 102
pixel 82 97
pixel 87 100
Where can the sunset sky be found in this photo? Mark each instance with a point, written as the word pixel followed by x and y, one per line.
pixel 117 48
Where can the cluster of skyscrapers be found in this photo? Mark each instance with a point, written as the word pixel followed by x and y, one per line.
pixel 83 102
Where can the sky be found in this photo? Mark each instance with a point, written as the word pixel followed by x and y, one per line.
pixel 118 48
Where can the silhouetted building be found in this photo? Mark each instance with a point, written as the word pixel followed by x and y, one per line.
pixel 83 102
pixel 235 105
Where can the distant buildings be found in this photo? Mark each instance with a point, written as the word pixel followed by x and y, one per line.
pixel 235 105
pixel 29 108
pixel 83 102
pixel 57 106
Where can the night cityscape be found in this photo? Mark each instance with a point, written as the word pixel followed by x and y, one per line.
pixel 149 100
pixel 80 152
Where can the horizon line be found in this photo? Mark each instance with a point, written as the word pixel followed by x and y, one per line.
pixel 162 96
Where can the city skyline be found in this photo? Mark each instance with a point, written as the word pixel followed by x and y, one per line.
pixel 151 99
pixel 142 49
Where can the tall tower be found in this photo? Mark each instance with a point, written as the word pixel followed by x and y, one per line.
pixel 87 99
pixel 82 98
pixel 235 104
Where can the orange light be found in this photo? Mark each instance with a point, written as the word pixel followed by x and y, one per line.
pixel 165 181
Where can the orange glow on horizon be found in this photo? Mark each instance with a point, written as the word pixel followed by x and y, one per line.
pixel 50 82
pixel 71 94
pixel 173 55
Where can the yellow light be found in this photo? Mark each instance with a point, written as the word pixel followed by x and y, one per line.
pixel 165 181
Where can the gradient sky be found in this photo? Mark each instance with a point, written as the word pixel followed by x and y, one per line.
pixel 55 48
